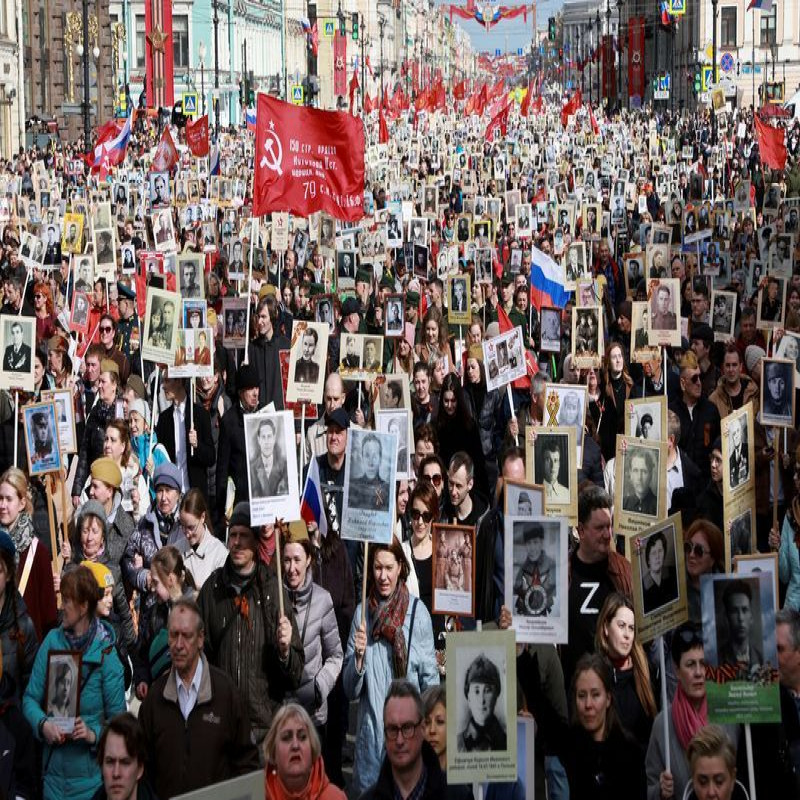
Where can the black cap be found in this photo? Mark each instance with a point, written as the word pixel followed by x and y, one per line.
pixel 338 417
pixel 125 291
pixel 247 378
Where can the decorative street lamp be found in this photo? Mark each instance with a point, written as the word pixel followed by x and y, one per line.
pixel 201 54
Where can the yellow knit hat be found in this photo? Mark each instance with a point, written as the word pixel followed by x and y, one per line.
pixel 102 574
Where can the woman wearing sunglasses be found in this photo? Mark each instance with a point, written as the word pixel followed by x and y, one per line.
pixel 787 543
pixel 396 641
pixel 704 553
pixel 686 715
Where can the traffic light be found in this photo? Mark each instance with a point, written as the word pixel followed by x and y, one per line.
pixel 342 24
pixel 355 26
pixel 251 89
pixel 551 29
pixel 698 82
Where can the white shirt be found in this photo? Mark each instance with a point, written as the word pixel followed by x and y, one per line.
pixel 674 477
pixel 179 418
pixel 187 697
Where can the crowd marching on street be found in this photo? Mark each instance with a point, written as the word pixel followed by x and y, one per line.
pixel 481 477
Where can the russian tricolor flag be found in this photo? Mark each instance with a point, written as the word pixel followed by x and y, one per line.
pixel 762 5
pixel 214 164
pixel 547 281
pixel 250 118
pixel 312 508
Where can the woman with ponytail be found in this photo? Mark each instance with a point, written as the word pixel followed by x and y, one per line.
pixel 615 638
pixel 17 634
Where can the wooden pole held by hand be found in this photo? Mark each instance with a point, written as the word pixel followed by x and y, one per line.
pixel 364 586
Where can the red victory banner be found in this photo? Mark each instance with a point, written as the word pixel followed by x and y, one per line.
pixel 197 136
pixel 339 64
pixel 158 52
pixel 636 57
pixel 308 160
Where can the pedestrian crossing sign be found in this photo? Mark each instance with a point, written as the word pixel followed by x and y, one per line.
pixel 190 103
pixel 297 94
pixel 329 29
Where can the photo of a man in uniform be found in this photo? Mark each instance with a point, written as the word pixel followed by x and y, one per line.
pixel 638 495
pixel 268 476
pixel 369 491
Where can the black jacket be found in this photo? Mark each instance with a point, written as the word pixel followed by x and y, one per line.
pixel 698 431
pixel 243 642
pixel 263 353
pixel 487 595
pixel 435 785
pixel 203 456
pixel 92 443
pixel 232 457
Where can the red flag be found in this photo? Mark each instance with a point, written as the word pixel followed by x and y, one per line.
pixel 500 120
pixel 383 129
pixel 482 100
pixel 421 102
pixel 595 126
pixel 460 90
pixel 770 145
pixel 339 64
pixel 307 160
pixel 353 87
pixel 571 106
pixel 537 106
pixel 166 155
pixel 197 136
pixel 526 102
pixel 314 39
pixel 368 106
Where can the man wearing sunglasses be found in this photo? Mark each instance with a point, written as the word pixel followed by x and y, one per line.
pixel 108 333
pixel 410 767
pixel 699 418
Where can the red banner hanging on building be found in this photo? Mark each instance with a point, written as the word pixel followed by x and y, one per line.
pixel 609 71
pixel 158 61
pixel 339 65
pixel 636 57
pixel 308 160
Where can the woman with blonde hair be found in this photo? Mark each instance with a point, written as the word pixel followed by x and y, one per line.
pixel 32 556
pixel 712 760
pixel 615 638
pixel 293 754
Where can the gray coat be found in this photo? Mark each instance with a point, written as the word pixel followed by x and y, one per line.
pixel 679 766
pixel 316 621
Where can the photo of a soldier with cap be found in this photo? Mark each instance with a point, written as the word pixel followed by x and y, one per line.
pixel 40 438
pixel 482 689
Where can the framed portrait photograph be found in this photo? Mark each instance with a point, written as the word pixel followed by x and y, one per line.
pixel 194 357
pixel 759 563
pixel 191 283
pixel 523 500
pixel 158 183
pixel 17 344
pixel 271 466
pixel 565 405
pixel 104 253
pixel 62 700
pixel 575 263
pixel 394 315
pixel 777 392
pixel 550 330
pixel 646 418
pixel 659 578
pixel 551 462
pixel 79 313
pixel 65 419
pixel 588 292
pixel 453 568
pixel 128 254
pixel 723 314
pixel 504 358
pixel 161 325
pixel 587 337
pixel 740 533
pixel 481 735
pixel 234 322
pixel 307 357
pixel 640 491
pixel 163 231
pixel 664 317
pixel 194 314
pixel 397 423
pixel 642 351
pixel 738 615
pixel 72 234
pixel 420 264
pixel 41 438
pixel 789 347
pixel 346 269
pixel 369 496
pixel 536 587
pixel 361 356
pixel 738 451
pixel 771 307
pixel 525 220
pixel 459 306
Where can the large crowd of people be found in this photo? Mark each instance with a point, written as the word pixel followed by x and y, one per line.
pixel 156 640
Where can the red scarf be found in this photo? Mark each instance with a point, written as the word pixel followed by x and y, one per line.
pixel 389 616
pixel 686 718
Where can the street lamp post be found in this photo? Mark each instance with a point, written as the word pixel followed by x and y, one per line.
pixel 201 53
pixel 619 54
pixel 216 71
pixel 713 65
pixel 381 26
pixel 608 42
pixel 598 23
pixel 87 122
pixel 773 49
pixel 579 54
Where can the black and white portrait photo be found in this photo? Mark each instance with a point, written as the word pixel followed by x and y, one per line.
pixel 307 362
pixel 551 466
pixel 394 315
pixel 159 189
pixel 62 701
pixel 741 535
pixel 565 405
pixel 418 228
pixel 162 319
pixel 723 314
pixel 771 303
pixel 346 267
pixel 738 451
pixel 323 311
pixel 522 500
pixel 104 250
pixel 128 251
pixel 789 347
pixel 370 473
pixel 587 337
pixel 481 731
pixel 640 489
pixel 271 466
pixel 190 276
pixel 739 632
pixel 421 261
pixel 396 423
pixel 777 392
pixel 657 554
pixel 550 330
pixel 575 264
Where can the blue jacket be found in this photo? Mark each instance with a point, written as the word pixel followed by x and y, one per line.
pixel 370 686
pixel 789 565
pixel 70 770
